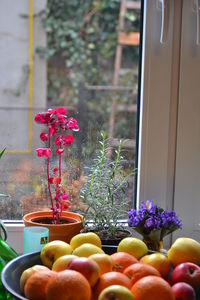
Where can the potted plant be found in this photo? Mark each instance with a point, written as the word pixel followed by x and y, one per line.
pixel 153 223
pixel 105 195
pixel 62 224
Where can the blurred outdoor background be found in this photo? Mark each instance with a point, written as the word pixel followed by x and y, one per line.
pixel 80 54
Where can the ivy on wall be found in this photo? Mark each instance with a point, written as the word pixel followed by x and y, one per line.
pixel 81 43
pixel 81 47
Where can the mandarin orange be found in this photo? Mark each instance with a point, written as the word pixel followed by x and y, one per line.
pixel 151 288
pixel 28 272
pixel 36 285
pixel 110 278
pixel 122 260
pixel 68 285
pixel 138 270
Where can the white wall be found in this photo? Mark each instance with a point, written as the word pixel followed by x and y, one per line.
pixel 16 100
pixel 14 70
pixel 187 180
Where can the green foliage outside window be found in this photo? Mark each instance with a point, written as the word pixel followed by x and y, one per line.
pixel 81 48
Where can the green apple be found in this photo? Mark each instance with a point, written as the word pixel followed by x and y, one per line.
pixel 53 250
pixel 28 272
pixel 116 292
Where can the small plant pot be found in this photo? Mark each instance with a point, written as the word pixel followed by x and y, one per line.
pixel 154 245
pixel 71 224
pixel 110 245
pixel 120 235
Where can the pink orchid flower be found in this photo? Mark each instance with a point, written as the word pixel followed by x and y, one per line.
pixel 43 152
pixel 68 140
pixel 56 122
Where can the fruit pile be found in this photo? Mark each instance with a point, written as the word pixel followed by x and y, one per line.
pixel 81 270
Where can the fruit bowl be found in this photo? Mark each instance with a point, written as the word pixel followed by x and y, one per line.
pixel 11 273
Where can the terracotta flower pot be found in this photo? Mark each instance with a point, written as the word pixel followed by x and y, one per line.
pixel 72 224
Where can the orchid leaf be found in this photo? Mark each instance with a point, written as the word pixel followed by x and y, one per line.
pixel 2 152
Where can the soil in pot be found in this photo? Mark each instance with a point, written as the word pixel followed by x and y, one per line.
pixel 110 245
pixel 50 221
pixel 70 225
pixel 119 235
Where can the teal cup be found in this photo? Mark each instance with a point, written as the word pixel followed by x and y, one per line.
pixel 34 238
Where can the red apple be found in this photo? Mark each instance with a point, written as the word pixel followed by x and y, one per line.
pixel 183 291
pixel 87 267
pixel 187 272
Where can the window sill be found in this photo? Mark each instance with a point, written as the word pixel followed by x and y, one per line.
pixel 15 235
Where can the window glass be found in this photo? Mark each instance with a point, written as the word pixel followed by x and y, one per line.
pixel 81 55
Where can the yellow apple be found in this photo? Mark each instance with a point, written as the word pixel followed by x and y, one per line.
pixel 184 250
pixel 133 246
pixel 61 263
pixel 53 250
pixel 104 261
pixel 87 249
pixel 82 238
pixel 116 292
pixel 28 272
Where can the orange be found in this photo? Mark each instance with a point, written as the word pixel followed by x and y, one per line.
pixel 158 261
pixel 139 270
pixel 122 260
pixel 108 279
pixel 68 285
pixel 36 284
pixel 151 288
pixel 104 261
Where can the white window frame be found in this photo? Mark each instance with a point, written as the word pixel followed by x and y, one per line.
pixel 159 103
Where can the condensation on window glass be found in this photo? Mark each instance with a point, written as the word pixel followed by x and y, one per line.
pixel 81 55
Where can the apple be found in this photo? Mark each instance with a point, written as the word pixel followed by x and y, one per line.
pixel 183 291
pixel 61 263
pixel 187 272
pixel 184 250
pixel 28 272
pixel 87 267
pixel 104 261
pixel 53 250
pixel 85 237
pixel 116 292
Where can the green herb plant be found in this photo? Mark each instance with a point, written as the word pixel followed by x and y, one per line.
pixel 105 192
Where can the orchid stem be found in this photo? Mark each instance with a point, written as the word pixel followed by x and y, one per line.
pixel 48 178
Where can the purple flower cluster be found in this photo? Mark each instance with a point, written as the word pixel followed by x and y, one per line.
pixel 151 217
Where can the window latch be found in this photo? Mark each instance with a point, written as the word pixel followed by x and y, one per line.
pixel 197 9
pixel 164 6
